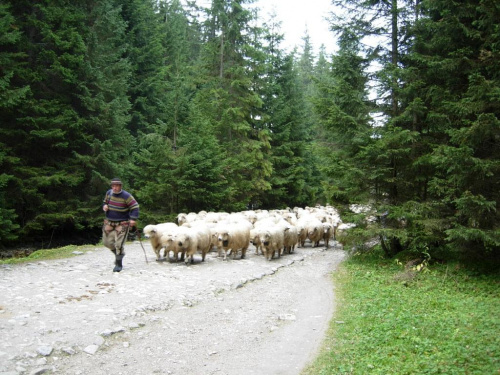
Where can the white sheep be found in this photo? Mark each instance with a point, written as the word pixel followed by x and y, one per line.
pixel 291 217
pixel 236 217
pixel 185 218
pixel 203 241
pixel 266 222
pixel 251 216
pixel 155 233
pixel 181 218
pixel 261 214
pixel 302 232
pixel 291 238
pixel 255 239
pixel 185 242
pixel 290 233
pixel 219 227
pixel 167 241
pixel 272 240
pixel 259 227
pixel 314 231
pixel 327 233
pixel 302 225
pixel 212 228
pixel 234 237
pixel 212 217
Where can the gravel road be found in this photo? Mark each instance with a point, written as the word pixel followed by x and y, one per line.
pixel 234 317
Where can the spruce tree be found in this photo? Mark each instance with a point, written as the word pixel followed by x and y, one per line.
pixel 105 102
pixel 431 174
pixel 452 77
pixel 55 131
pixel 146 37
pixel 158 138
pixel 11 95
pixel 284 122
pixel 344 126
pixel 228 100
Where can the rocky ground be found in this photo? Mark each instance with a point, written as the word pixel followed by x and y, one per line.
pixel 234 317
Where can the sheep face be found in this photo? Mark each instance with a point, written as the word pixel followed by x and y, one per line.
pixel 181 218
pixel 149 231
pixel 214 238
pixel 312 232
pixel 255 240
pixel 168 241
pixel 224 239
pixel 265 239
pixel 183 241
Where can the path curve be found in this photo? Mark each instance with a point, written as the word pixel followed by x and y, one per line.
pixel 241 316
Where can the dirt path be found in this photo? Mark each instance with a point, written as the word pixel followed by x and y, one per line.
pixel 250 316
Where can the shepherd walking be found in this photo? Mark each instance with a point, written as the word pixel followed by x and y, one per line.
pixel 122 211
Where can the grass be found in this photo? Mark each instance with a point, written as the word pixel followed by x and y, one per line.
pixel 57 253
pixel 441 320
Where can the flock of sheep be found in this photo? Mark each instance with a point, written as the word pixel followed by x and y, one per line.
pixel 272 232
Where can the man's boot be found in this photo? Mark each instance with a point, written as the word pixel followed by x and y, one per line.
pixel 118 262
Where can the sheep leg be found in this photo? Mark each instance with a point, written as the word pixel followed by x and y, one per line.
pixel 269 254
pixel 187 260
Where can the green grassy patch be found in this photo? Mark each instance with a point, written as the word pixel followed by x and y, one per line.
pixel 47 254
pixel 442 320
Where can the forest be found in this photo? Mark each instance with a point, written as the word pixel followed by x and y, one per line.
pixel 201 108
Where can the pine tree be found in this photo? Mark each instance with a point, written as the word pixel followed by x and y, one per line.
pixel 146 53
pixel 284 122
pixel 451 102
pixel 158 152
pixel 421 161
pixel 105 103
pixel 199 178
pixel 345 126
pixel 305 68
pixel 227 98
pixel 11 95
pixel 55 130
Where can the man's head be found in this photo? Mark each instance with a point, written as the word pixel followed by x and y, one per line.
pixel 116 185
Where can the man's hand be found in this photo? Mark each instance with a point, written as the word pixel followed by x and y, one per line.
pixel 105 207
pixel 132 223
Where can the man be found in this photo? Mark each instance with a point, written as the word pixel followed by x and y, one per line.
pixel 122 211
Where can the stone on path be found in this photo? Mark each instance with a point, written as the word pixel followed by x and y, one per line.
pixel 44 350
pixel 91 349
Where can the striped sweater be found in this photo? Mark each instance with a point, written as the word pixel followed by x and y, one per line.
pixel 121 206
